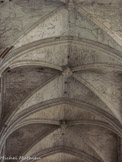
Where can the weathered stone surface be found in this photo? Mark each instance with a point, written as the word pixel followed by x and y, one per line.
pixel 26 136
pixel 61 82
pixel 17 16
pixel 61 157
pixel 19 85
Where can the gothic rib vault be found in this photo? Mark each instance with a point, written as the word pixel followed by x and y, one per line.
pixel 61 80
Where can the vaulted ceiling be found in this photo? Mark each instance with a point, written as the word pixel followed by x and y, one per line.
pixel 61 80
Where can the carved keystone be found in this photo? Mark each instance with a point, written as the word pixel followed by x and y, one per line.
pixel 67 72
pixel 63 124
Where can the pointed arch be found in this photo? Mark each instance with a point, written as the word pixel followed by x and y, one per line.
pixel 50 103
pixel 64 149
pixel 58 40
pixel 95 91
pixel 98 66
pixel 113 35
